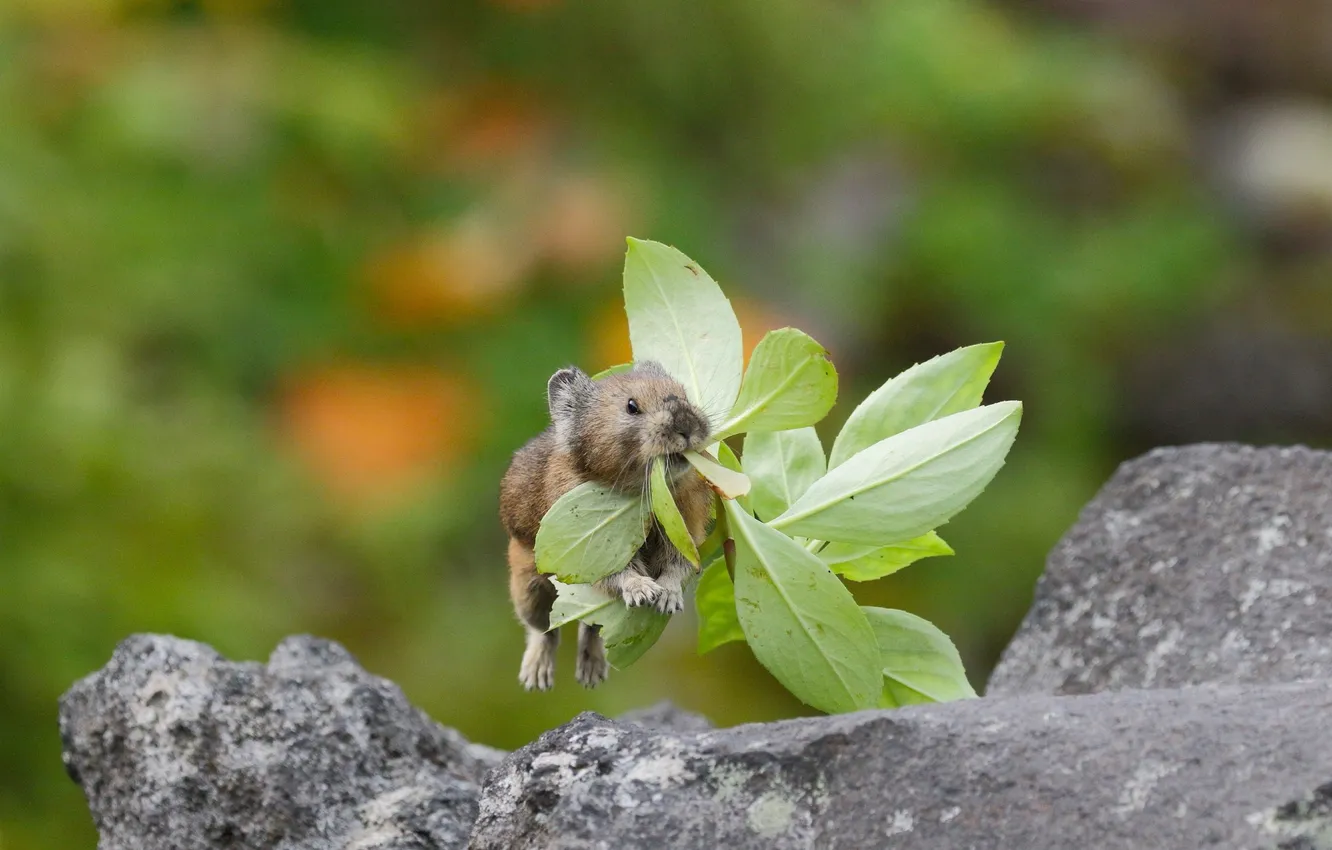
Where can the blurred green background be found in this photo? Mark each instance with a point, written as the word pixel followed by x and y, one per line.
pixel 281 282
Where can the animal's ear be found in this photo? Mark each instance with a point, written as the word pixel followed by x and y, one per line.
pixel 567 391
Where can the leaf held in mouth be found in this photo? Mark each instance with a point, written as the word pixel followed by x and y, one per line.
pixel 668 514
pixel 728 483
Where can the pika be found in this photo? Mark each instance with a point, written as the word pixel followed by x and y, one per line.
pixel 608 431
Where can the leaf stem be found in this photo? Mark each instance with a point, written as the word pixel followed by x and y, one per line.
pixel 728 545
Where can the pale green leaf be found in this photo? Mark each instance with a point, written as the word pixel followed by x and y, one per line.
pixel 711 548
pixel 627 632
pixel 715 600
pixel 729 483
pixel 589 533
pixel 947 384
pixel 858 562
pixel 800 621
pixel 614 370
pixel 668 513
pixel 896 695
pixel 902 487
pixel 781 466
pixel 679 317
pixel 576 601
pixel 790 383
pixel 726 456
pixel 920 663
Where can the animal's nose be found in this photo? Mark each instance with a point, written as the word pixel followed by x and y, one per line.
pixel 688 426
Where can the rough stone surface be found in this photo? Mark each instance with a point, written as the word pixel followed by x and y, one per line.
pixel 1303 824
pixel 668 716
pixel 1171 687
pixel 1209 766
pixel 1202 564
pixel 175 747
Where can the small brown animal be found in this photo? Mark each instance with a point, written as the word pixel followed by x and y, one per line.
pixel 608 431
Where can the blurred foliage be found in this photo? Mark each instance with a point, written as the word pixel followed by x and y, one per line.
pixel 281 282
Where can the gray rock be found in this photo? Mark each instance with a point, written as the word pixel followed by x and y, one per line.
pixel 1303 824
pixel 668 716
pixel 1154 703
pixel 1194 767
pixel 175 747
pixel 1201 564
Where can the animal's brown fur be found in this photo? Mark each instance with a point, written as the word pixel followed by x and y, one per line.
pixel 594 437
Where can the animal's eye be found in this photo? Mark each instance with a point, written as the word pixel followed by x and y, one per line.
pixel 632 407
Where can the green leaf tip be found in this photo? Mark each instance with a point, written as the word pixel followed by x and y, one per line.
pixel 790 383
pixel 920 662
pixel 680 318
pixel 855 562
pixel 950 383
pixel 907 484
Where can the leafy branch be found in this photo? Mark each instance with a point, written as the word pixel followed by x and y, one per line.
pixel 789 520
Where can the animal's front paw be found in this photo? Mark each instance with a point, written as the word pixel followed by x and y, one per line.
pixel 671 600
pixel 639 590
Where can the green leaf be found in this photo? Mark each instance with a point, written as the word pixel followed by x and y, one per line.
pixel 614 370
pixel 711 548
pixel 920 663
pixel 668 513
pixel 715 600
pixel 782 465
pixel 679 317
pixel 726 455
pixel 729 482
pixel 896 695
pixel 801 622
pixel 627 632
pixel 947 384
pixel 790 383
pixel 902 487
pixel 576 601
pixel 589 533
pixel 858 562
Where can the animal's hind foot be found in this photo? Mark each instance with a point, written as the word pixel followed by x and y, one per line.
pixel 537 672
